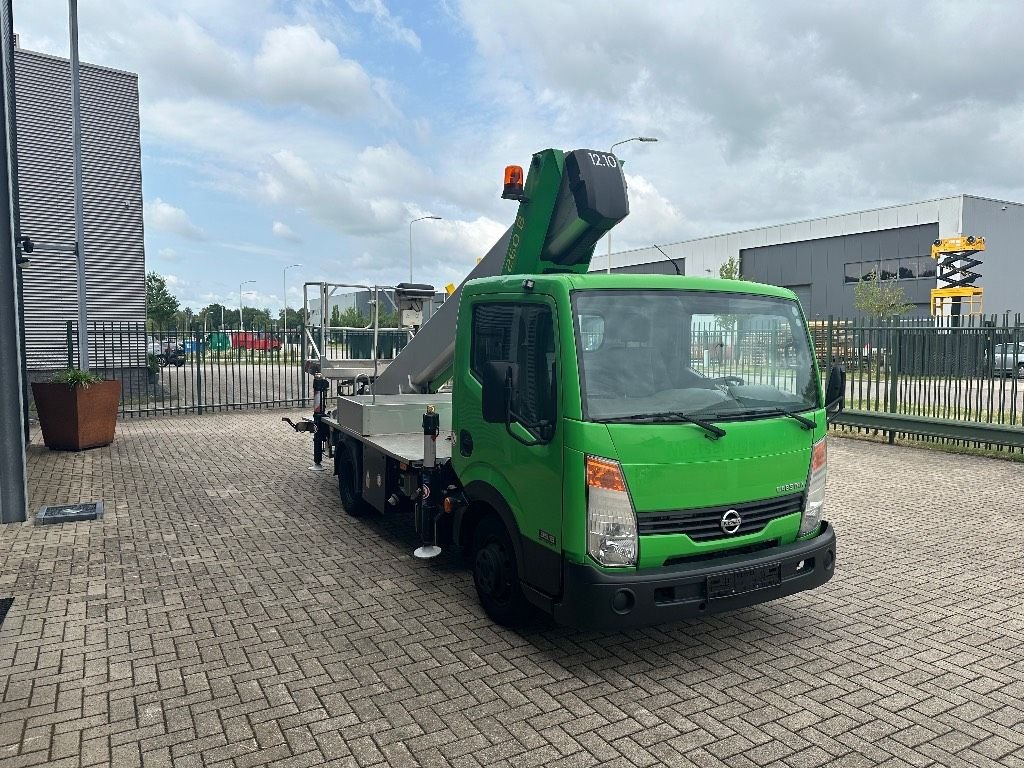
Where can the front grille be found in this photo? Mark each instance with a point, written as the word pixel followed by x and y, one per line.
pixel 705 524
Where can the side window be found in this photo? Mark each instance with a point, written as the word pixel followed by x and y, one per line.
pixel 492 336
pixel 521 336
pixel 535 356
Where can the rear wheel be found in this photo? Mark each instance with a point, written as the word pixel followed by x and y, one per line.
pixel 350 499
pixel 1020 371
pixel 496 575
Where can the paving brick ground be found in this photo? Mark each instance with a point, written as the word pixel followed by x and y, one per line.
pixel 225 612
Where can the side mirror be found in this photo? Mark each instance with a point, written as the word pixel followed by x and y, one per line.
pixel 835 392
pixel 497 376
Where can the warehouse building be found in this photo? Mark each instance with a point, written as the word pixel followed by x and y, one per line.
pixel 112 174
pixel 821 260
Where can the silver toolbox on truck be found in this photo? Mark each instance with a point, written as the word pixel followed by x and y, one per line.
pixel 391 414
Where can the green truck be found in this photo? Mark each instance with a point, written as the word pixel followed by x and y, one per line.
pixel 616 449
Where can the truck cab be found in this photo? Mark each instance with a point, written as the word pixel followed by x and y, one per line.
pixel 653 446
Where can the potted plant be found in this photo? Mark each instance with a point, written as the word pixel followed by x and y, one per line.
pixel 77 410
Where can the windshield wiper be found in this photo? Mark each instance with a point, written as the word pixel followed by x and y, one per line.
pixel 667 417
pixel 804 421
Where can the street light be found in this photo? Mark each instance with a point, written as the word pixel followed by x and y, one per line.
pixel 284 286
pixel 241 324
pixel 421 218
pixel 611 151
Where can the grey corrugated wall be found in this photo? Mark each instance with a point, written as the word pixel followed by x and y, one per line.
pixel 112 170
pixel 815 269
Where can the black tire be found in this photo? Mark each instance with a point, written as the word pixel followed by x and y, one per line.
pixel 1020 371
pixel 351 501
pixel 496 575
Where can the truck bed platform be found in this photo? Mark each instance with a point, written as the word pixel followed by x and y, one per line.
pixel 406 447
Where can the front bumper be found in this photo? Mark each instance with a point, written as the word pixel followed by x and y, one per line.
pixel 596 599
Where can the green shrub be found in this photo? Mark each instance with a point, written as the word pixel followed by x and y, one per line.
pixel 75 378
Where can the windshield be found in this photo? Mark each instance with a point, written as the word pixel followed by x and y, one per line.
pixel 691 353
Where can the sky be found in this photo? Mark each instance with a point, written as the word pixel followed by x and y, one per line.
pixel 312 132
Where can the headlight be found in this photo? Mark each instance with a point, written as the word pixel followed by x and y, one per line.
pixel 814 507
pixel 611 521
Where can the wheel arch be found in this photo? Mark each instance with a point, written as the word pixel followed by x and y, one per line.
pixel 484 499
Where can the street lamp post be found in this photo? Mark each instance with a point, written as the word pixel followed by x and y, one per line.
pixel 421 218
pixel 241 324
pixel 284 286
pixel 611 151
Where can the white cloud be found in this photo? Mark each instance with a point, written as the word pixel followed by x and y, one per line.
pixel 295 65
pixel 283 231
pixel 392 25
pixel 164 217
pixel 167 254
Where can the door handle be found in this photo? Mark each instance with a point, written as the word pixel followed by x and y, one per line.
pixel 465 443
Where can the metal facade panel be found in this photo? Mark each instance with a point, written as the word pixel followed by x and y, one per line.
pixel 112 168
pixel 816 269
pixel 1002 270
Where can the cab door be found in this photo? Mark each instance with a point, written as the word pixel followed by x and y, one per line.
pixel 521 462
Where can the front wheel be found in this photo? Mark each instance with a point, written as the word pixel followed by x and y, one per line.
pixel 1020 371
pixel 496 574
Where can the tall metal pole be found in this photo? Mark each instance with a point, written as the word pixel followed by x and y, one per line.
pixel 284 294
pixel 241 325
pixel 76 138
pixel 611 151
pixel 13 486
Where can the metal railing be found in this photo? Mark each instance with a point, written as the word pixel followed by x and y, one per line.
pixel 952 379
pixel 192 370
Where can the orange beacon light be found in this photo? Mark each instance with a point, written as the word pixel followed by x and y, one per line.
pixel 513 183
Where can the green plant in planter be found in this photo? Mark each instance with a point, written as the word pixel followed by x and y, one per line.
pixel 77 409
pixel 75 378
pixel 152 364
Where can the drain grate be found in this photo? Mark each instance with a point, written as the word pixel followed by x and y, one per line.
pixel 70 513
pixel 5 605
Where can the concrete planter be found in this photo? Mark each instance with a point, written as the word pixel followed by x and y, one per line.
pixel 76 418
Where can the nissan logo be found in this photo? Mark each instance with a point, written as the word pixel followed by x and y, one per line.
pixel 731 521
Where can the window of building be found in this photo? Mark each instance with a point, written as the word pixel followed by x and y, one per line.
pixel 906 268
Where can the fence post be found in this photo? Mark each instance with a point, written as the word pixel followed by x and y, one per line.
pixel 197 360
pixel 894 372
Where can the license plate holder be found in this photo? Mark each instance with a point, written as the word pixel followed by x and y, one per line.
pixel 733 583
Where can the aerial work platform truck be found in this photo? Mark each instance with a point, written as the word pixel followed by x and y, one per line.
pixel 615 449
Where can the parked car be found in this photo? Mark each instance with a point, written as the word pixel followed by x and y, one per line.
pixel 1008 359
pixel 166 352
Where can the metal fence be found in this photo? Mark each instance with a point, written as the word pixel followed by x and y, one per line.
pixel 196 370
pixel 960 379
pixel 912 377
pixel 191 370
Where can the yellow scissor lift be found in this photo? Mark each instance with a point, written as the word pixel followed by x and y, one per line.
pixel 956 259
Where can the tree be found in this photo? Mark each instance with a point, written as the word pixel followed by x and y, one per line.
pixel 351 318
pixel 880 298
pixel 730 270
pixel 217 316
pixel 160 302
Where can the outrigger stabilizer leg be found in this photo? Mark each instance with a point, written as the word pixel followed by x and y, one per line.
pixel 321 435
pixel 428 510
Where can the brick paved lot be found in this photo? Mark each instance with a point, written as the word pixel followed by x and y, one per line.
pixel 227 613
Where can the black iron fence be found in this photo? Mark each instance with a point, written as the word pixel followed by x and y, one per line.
pixel 192 370
pixel 196 370
pixel 957 379
pixel 962 370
